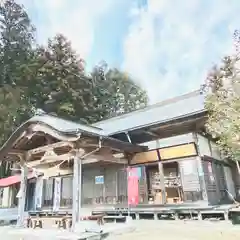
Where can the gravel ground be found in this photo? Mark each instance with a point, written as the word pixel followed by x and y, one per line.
pixel 181 230
pixel 141 230
pixel 50 232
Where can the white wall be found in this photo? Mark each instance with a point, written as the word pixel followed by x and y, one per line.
pixel 208 148
pixel 215 151
pixel 203 145
pixel 166 142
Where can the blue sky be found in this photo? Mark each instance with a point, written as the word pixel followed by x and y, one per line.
pixel 167 47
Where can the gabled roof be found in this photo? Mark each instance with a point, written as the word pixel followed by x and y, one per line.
pixel 64 129
pixel 182 106
pixel 65 126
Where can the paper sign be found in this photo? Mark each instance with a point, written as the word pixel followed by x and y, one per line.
pixel 57 194
pixel 38 192
pixel 99 180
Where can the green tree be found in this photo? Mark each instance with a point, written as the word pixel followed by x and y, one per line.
pixel 61 85
pixel 115 93
pixel 15 54
pixel 66 89
pixel 222 101
pixel 53 78
pixel 16 38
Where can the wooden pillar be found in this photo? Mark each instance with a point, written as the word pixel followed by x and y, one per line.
pixel 77 188
pixel 161 175
pixel 145 185
pixel 216 179
pixel 75 204
pixel 200 169
pixel 162 182
pixel 22 196
pixel 116 187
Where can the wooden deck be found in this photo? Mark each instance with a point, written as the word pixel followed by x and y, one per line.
pixel 174 212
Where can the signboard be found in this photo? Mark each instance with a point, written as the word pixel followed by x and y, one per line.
pixel 166 153
pixel 99 180
pixel 184 150
pixel 145 157
pixel 133 188
pixel 57 194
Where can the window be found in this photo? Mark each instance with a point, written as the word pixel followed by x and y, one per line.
pixel 67 191
pixel 48 192
pixel 192 196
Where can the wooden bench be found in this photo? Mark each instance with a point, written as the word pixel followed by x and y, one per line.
pixel 36 219
pixel 63 220
pixel 114 219
pixel 97 217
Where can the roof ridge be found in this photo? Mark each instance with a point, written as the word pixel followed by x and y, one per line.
pixel 158 104
pixel 64 119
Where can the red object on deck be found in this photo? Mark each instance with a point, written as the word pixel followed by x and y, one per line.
pixel 8 181
pixel 133 189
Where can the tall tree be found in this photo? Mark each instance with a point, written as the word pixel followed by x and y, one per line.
pixel 222 90
pixel 16 38
pixel 65 88
pixel 52 78
pixel 62 87
pixel 115 92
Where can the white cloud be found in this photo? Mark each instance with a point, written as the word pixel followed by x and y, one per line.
pixel 76 19
pixel 170 47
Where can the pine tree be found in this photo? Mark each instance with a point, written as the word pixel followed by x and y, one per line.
pixel 16 39
pixel 15 54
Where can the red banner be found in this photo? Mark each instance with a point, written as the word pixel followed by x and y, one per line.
pixel 133 190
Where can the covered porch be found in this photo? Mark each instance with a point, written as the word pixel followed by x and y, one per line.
pixel 73 165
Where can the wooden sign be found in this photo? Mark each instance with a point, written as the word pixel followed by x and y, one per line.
pixel 145 157
pixel 185 150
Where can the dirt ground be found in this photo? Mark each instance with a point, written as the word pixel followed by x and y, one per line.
pixel 181 230
pixel 139 230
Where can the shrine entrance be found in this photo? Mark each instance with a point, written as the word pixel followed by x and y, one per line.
pixel 172 183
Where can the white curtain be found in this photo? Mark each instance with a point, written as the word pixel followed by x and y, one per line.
pixel 67 187
pixel 48 189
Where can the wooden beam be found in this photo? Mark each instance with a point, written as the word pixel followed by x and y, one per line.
pixel 16 152
pixel 152 134
pixel 50 160
pixel 104 158
pixel 50 147
pixel 53 133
